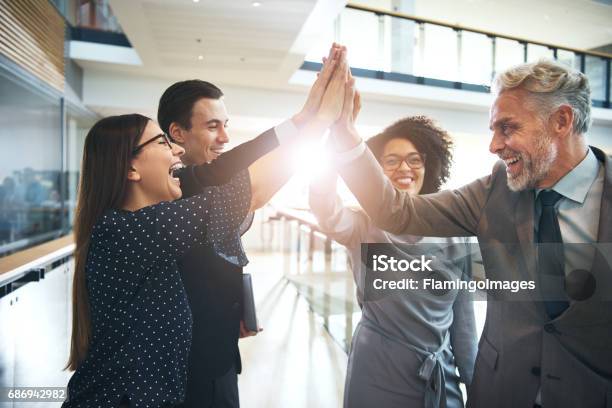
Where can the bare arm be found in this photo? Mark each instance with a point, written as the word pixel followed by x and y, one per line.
pixel 195 178
pixel 269 174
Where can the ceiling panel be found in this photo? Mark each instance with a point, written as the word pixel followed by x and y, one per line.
pixel 213 36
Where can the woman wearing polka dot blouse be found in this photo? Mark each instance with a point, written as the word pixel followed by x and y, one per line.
pixel 132 321
pixel 131 318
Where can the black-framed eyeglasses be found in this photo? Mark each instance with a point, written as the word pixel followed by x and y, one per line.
pixel 167 139
pixel 414 160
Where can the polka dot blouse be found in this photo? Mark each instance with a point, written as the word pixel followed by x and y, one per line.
pixel 141 321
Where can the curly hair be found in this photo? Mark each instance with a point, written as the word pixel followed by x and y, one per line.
pixel 427 138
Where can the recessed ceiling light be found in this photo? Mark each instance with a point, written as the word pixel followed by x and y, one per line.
pixel 200 57
pixel 196 1
pixel 256 4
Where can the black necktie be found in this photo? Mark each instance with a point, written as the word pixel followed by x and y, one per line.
pixel 551 260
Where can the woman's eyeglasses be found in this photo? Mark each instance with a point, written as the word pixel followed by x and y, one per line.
pixel 166 138
pixel 414 160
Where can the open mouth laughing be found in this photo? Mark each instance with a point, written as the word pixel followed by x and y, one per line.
pixel 174 171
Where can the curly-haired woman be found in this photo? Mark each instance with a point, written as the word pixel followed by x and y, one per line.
pixel 409 343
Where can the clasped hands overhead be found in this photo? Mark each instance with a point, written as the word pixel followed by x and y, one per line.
pixel 333 102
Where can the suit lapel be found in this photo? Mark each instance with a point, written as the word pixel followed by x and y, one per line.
pixel 576 310
pixel 601 266
pixel 604 233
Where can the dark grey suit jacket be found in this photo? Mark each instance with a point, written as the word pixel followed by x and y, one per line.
pixel 521 349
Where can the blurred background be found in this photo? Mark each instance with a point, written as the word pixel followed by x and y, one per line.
pixel 66 63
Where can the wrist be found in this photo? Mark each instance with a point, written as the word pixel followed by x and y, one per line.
pixel 301 119
pixel 325 119
pixel 312 128
pixel 344 138
pixel 305 121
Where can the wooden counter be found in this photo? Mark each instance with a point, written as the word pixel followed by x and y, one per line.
pixel 14 266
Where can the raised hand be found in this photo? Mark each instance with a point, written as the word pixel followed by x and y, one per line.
pixel 338 125
pixel 344 135
pixel 315 96
pixel 333 99
pixel 356 100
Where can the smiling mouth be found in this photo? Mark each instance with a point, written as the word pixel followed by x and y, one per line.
pixel 404 181
pixel 512 162
pixel 175 170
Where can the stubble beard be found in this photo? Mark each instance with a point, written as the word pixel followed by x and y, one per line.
pixel 535 166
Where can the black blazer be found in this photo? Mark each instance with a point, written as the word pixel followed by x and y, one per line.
pixel 213 285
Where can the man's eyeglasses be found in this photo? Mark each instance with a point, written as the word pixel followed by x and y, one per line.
pixel 414 160
pixel 166 138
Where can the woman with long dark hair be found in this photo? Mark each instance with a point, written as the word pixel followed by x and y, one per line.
pixel 131 320
pixel 409 343
pixel 131 330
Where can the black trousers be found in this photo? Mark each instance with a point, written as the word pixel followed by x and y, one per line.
pixel 220 392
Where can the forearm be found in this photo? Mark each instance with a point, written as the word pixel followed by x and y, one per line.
pixel 269 174
pixel 273 170
pixel 376 195
pixel 447 213
pixel 322 197
pixel 335 220
pixel 221 170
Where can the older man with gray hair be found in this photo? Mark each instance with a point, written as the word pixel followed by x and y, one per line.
pixel 542 215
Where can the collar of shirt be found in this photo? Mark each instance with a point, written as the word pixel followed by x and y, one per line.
pixel 576 184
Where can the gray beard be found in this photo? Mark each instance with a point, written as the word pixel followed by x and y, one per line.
pixel 536 170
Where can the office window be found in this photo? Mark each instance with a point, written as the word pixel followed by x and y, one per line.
pixel 476 58
pixel 568 58
pixel 439 58
pixel 362 33
pixel 402 45
pixel 508 53
pixel 30 165
pixel 595 70
pixel 610 82
pixel 538 52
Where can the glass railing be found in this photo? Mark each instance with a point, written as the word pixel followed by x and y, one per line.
pixel 319 269
pixel 406 48
pixel 43 134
